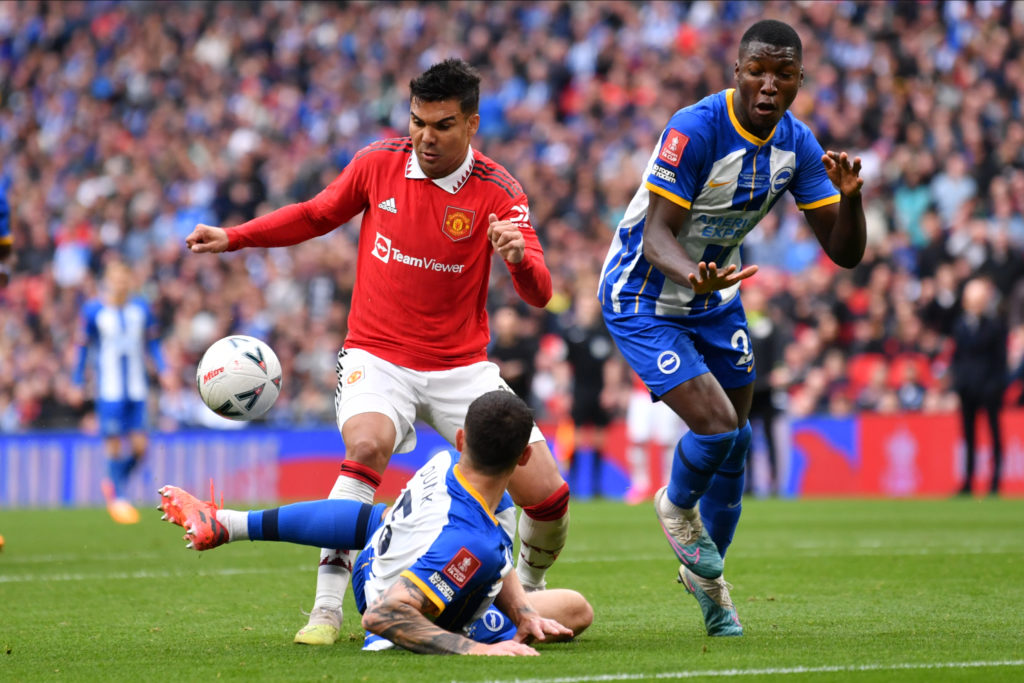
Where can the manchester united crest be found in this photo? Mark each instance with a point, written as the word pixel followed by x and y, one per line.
pixel 458 223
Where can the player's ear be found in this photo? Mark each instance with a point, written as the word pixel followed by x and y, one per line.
pixel 800 84
pixel 473 123
pixel 460 439
pixel 736 71
pixel 525 457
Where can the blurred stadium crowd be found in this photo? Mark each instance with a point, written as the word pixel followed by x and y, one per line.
pixel 124 124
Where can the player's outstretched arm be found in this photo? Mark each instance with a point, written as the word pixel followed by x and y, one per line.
pixel 401 616
pixel 661 248
pixel 207 239
pixel 840 228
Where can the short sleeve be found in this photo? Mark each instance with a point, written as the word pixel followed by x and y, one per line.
pixel 811 187
pixel 451 566
pixel 678 164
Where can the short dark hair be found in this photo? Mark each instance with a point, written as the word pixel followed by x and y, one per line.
pixel 498 426
pixel 774 33
pixel 452 79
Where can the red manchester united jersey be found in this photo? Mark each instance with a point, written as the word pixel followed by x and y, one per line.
pixel 424 258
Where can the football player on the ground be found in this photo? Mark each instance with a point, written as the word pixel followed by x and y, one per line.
pixel 435 572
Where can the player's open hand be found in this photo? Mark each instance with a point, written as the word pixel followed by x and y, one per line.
pixel 535 627
pixel 709 279
pixel 505 648
pixel 506 239
pixel 207 238
pixel 844 173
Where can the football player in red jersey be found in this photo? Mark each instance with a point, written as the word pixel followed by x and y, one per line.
pixel 434 212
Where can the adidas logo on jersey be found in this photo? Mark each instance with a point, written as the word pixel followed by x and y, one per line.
pixel 388 205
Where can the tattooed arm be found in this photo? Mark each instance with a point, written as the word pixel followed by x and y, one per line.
pixel 401 616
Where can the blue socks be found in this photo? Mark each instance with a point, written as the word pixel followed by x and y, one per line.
pixel 336 523
pixel 118 470
pixel 721 506
pixel 698 457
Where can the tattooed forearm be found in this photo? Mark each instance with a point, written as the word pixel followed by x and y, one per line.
pixel 525 610
pixel 399 617
pixel 419 635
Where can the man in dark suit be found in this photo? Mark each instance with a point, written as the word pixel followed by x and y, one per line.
pixel 979 372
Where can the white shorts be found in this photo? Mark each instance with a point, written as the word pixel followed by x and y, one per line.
pixel 647 420
pixel 368 384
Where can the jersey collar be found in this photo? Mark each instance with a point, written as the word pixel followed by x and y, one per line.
pixel 744 133
pixel 473 492
pixel 452 182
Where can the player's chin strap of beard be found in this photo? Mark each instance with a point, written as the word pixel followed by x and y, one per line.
pixel 542 532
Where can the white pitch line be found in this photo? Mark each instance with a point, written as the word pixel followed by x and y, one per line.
pixel 781 671
pixel 143 574
pixel 80 557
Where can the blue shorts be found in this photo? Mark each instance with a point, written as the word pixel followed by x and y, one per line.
pixel 493 627
pixel 667 351
pixel 121 417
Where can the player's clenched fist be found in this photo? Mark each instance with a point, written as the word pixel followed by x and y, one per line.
pixel 207 238
pixel 506 239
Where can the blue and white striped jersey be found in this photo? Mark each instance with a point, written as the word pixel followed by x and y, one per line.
pixel 5 213
pixel 118 340
pixel 729 179
pixel 440 535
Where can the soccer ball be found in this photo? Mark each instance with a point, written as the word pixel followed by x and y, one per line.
pixel 239 377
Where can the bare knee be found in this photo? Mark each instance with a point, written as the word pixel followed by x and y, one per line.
pixel 703 405
pixel 369 450
pixel 581 614
pixel 566 606
pixel 369 440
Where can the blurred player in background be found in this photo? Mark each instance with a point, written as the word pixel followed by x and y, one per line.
pixel 671 281
pixel 979 366
pixel 590 353
pixel 6 241
pixel 766 397
pixel 434 212
pixel 118 332
pixel 435 572
pixel 649 424
pixel 514 352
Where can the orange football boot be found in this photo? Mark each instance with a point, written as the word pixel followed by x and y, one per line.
pixel 199 519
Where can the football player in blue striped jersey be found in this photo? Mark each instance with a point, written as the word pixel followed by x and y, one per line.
pixel 670 284
pixel 118 333
pixel 6 241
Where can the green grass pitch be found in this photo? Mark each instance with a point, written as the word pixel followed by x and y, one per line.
pixel 827 591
